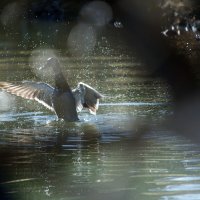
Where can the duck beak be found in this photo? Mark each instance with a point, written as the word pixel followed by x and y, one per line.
pixel 43 66
pixel 40 68
pixel 46 64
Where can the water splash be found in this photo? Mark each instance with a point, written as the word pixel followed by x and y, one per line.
pixel 82 39
pixel 6 102
pixel 38 59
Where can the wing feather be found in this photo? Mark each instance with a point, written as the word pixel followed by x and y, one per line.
pixel 38 91
pixel 88 97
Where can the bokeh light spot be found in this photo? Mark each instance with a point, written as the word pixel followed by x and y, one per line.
pixel 82 39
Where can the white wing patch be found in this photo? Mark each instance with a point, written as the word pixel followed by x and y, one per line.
pixel 87 97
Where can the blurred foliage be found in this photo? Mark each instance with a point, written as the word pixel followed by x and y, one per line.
pixel 60 10
pixel 18 19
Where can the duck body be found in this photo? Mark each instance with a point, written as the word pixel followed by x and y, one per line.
pixel 66 103
pixel 63 101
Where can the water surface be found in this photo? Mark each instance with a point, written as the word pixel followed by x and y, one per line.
pixel 121 153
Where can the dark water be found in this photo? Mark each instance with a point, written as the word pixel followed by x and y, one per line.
pixel 121 153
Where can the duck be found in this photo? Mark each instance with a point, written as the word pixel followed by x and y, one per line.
pixel 61 99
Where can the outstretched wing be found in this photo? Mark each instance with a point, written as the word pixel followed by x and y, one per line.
pixel 87 97
pixel 41 92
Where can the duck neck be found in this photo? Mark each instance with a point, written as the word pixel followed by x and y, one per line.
pixel 61 83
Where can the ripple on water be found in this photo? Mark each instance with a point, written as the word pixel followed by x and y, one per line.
pixel 99 157
pixel 182 197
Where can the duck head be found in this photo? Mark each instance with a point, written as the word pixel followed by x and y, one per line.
pixel 53 64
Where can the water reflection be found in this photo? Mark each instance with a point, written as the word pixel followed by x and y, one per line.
pixel 83 166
